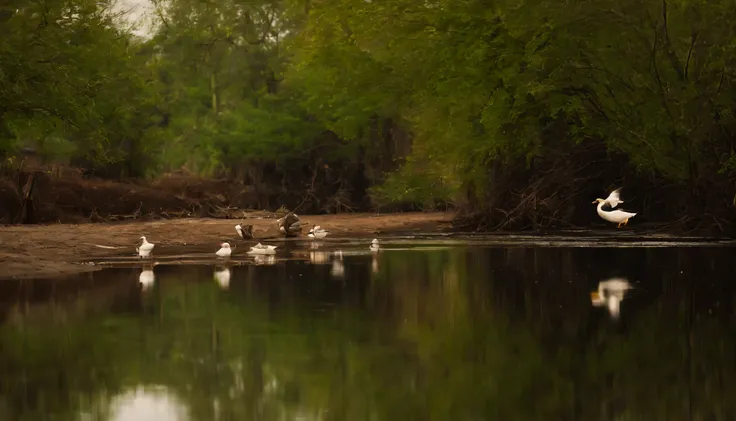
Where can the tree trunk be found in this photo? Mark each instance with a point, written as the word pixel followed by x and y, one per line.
pixel 213 86
pixel 28 209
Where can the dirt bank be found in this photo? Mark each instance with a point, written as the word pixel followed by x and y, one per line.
pixel 32 251
pixel 70 198
pixel 41 195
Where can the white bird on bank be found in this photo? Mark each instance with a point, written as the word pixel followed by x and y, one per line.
pixel 610 293
pixel 617 216
pixel 374 244
pixel 144 250
pixel 261 249
pixel 317 232
pixel 224 250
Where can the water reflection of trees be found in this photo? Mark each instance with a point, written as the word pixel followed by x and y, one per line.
pixel 506 334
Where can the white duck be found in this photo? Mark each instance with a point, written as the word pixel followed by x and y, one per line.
pixel 610 293
pixel 144 250
pixel 261 249
pixel 317 232
pixel 224 250
pixel 374 244
pixel 617 216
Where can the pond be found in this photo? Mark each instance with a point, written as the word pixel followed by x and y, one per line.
pixel 414 332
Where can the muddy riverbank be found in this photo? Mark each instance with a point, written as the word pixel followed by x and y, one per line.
pixel 33 251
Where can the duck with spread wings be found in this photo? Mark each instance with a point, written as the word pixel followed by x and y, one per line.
pixel 610 214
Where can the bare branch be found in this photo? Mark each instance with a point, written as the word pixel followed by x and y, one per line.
pixel 693 38
pixel 674 60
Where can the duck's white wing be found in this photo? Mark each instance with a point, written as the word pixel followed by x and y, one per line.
pixel 614 284
pixel 146 246
pixel 614 198
pixel 618 215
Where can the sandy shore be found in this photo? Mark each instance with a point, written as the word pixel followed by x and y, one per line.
pixel 35 251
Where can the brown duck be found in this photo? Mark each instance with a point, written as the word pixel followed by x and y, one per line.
pixel 245 231
pixel 290 225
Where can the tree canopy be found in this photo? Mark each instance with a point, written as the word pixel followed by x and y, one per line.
pixel 519 110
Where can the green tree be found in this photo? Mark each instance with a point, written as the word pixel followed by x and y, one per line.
pixel 499 93
pixel 69 83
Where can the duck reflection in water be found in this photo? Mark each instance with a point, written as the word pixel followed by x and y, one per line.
pixel 264 260
pixel 222 276
pixel 338 268
pixel 146 403
pixel 147 277
pixel 610 293
pixel 319 257
pixel 374 263
pixel 334 259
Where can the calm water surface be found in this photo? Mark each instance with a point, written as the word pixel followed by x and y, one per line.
pixel 454 333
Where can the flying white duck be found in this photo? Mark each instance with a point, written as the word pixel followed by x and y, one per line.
pixel 610 293
pixel 617 216
pixel 144 250
pixel 317 232
pixel 261 249
pixel 374 244
pixel 224 250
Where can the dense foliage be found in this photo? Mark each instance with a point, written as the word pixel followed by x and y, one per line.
pixel 524 112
